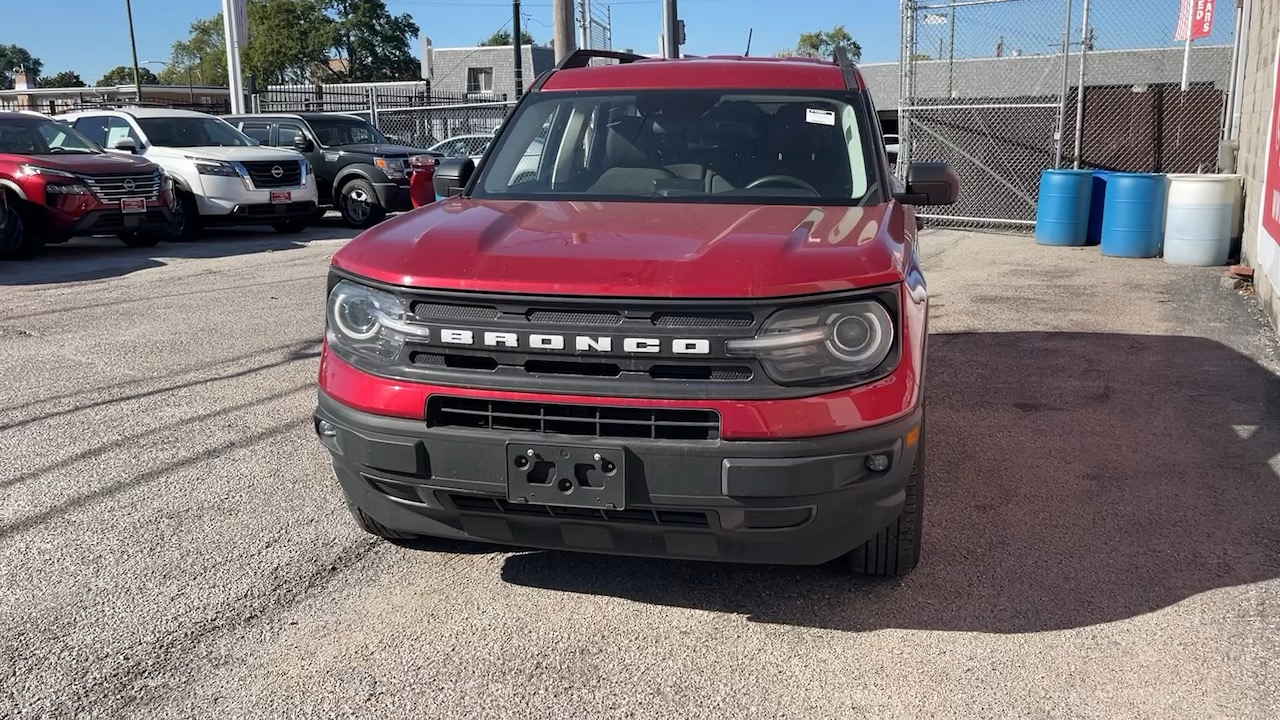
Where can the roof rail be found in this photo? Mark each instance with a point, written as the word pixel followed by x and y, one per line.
pixel 581 58
pixel 851 81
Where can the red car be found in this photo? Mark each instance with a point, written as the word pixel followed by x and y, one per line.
pixel 696 329
pixel 62 185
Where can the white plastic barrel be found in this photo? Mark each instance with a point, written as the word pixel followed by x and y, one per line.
pixel 1198 219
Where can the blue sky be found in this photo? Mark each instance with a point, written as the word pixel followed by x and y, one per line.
pixel 92 36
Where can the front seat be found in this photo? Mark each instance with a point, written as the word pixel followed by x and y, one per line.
pixel 631 171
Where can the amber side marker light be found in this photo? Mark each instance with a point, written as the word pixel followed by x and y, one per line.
pixel 913 436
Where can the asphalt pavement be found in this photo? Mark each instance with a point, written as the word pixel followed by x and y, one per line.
pixel 1102 526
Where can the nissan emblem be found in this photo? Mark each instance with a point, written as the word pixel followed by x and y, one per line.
pixel 130 185
pixel 277 171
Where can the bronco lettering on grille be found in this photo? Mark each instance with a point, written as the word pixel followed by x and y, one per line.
pixel 579 343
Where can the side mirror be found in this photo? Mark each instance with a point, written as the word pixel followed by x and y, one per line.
pixel 302 143
pixel 930 183
pixel 453 175
pixel 126 145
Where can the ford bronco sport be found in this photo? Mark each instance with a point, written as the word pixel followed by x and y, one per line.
pixel 697 330
pixel 62 185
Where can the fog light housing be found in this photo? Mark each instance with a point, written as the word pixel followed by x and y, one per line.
pixel 324 428
pixel 877 463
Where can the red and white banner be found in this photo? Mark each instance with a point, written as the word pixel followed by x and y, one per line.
pixel 1198 15
pixel 1270 200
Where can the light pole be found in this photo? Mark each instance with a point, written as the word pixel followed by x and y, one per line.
pixel 133 45
pixel 191 91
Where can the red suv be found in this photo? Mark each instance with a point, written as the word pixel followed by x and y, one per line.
pixel 63 185
pixel 676 312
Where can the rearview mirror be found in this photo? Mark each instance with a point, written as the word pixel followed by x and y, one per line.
pixel 930 183
pixel 126 145
pixel 453 175
pixel 302 143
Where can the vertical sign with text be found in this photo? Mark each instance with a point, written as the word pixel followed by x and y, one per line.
pixel 1196 16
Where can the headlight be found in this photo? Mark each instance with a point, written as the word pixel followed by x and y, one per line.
pixel 64 189
pixel 393 168
pixel 37 170
pixel 804 345
pixel 367 324
pixel 214 167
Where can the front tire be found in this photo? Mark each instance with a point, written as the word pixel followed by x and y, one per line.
pixel 358 203
pixel 18 240
pixel 186 225
pixel 895 551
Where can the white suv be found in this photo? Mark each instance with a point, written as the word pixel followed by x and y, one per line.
pixel 222 176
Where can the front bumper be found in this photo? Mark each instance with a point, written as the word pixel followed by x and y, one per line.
pixel 801 502
pixel 226 199
pixel 393 196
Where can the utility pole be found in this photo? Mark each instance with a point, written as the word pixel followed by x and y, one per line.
pixel 670 29
pixel 1066 87
pixel 563 25
pixel 515 40
pixel 584 9
pixel 231 26
pixel 133 45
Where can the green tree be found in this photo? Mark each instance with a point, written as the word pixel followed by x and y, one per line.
pixel 503 37
pixel 123 75
pixel 294 41
pixel 13 57
pixel 64 79
pixel 822 44
pixel 373 43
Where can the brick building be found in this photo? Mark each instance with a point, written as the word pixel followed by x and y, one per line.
pixel 487 73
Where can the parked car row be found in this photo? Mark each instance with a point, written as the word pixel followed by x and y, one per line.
pixel 147 175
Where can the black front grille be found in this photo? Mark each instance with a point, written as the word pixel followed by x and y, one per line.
pixel 598 421
pixel 635 516
pixel 272 174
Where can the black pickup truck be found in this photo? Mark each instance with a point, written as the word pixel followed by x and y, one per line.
pixel 360 173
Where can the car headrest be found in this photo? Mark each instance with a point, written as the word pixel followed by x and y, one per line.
pixel 622 144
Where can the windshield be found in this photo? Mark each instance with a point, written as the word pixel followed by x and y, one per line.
pixel 42 137
pixel 747 146
pixel 183 132
pixel 332 132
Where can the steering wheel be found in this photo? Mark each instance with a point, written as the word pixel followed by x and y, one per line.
pixel 784 179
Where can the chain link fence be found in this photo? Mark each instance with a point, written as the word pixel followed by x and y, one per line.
pixel 407 113
pixel 993 87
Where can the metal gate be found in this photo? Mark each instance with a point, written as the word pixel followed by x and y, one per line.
pixel 992 87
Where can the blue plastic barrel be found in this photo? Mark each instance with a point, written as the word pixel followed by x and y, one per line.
pixel 1062 213
pixel 1133 215
pixel 1097 206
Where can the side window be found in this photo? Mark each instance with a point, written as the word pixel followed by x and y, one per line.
pixel 476 146
pixel 259 131
pixel 93 127
pixel 119 129
pixel 452 148
pixel 287 133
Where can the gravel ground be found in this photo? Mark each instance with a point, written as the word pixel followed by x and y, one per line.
pixel 1103 534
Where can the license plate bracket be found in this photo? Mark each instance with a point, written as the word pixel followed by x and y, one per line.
pixel 133 205
pixel 281 197
pixel 566 476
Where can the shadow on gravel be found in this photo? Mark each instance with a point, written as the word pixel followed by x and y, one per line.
pixel 101 257
pixel 1073 480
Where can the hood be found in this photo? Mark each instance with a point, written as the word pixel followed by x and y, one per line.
pixel 93 164
pixel 633 249
pixel 389 151
pixel 240 154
